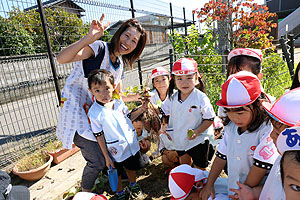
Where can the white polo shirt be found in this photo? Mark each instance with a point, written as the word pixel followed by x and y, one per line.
pixel 187 115
pixel 241 150
pixel 119 133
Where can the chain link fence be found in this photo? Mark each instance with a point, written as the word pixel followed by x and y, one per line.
pixel 31 78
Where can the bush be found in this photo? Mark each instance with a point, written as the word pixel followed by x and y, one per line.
pixel 14 38
pixel 276 75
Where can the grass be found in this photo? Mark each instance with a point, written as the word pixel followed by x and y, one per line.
pixel 32 160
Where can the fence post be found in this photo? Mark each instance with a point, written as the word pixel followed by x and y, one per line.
pixel 185 30
pixel 172 24
pixel 132 9
pixel 140 73
pixel 139 61
pixel 291 49
pixel 171 59
pixel 287 57
pixel 50 54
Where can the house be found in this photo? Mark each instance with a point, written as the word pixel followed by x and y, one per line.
pixel 288 12
pixel 155 26
pixel 68 5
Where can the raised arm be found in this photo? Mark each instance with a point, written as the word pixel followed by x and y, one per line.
pixel 80 50
pixel 209 190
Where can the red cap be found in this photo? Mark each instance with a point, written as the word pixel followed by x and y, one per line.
pixel 256 53
pixel 240 89
pixel 185 66
pixel 159 71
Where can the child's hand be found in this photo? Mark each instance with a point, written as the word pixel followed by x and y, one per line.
pixel 191 134
pixel 109 163
pixel 207 191
pixel 244 193
pixel 97 28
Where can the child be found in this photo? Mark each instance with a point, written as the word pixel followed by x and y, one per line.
pixel 160 81
pixel 246 145
pixel 186 183
pixel 189 108
pixel 289 148
pixel 114 131
pixel 284 113
pixel 166 147
pixel 143 139
pixel 244 59
pixel 215 139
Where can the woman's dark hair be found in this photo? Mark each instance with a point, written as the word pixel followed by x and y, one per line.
pixel 130 58
pixel 295 156
pixel 258 113
pixel 201 86
pixel 240 61
pixel 99 76
pixel 296 81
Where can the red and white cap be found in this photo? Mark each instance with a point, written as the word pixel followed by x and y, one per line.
pixel 256 53
pixel 286 109
pixel 182 180
pixel 88 196
pixel 159 71
pixel 289 140
pixel 185 66
pixel 240 89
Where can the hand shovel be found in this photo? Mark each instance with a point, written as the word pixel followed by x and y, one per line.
pixel 113 178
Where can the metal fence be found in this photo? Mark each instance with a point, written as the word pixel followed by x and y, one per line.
pixel 31 78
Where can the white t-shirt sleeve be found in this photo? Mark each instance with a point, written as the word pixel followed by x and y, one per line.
pixel 206 108
pixel 96 45
pixel 95 125
pixel 266 150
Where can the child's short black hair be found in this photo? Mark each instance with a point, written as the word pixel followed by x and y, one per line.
pixel 240 61
pixel 140 117
pixel 295 156
pixel 259 113
pixel 99 76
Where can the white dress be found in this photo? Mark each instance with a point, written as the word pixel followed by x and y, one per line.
pixel 241 150
pixel 72 116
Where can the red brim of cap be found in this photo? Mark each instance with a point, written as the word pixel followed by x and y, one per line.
pixel 268 107
pixel 219 103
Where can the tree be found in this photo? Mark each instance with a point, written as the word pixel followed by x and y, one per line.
pixel 14 39
pixel 64 27
pixel 249 23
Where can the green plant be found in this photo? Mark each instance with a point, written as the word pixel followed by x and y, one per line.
pixel 32 161
pixel 52 146
pixel 276 75
pixel 15 40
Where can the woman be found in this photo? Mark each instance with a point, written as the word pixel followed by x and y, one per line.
pixel 125 47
